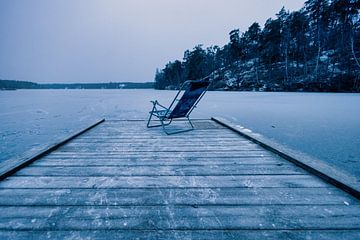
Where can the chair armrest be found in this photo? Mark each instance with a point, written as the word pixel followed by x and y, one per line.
pixel 158 104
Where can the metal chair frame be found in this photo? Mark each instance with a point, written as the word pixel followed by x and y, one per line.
pixel 164 113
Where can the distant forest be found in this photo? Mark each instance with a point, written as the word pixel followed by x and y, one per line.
pixel 13 85
pixel 316 48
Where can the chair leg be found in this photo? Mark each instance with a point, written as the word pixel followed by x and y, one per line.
pixel 150 117
pixel 158 125
pixel 192 126
pixel 148 123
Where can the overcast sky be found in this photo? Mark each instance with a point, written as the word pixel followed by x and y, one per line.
pixel 115 40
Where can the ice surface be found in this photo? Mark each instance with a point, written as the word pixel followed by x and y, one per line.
pixel 324 125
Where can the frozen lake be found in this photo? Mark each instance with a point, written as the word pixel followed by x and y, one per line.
pixel 323 125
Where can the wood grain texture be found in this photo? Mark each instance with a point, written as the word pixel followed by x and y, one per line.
pixel 170 170
pixel 173 196
pixel 184 234
pixel 121 180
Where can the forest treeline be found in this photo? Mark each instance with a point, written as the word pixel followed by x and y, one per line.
pixel 316 48
pixel 14 84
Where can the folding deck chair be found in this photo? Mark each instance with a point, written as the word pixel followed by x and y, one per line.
pixel 181 106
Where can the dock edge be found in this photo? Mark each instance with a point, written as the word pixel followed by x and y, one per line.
pixel 314 166
pixel 17 164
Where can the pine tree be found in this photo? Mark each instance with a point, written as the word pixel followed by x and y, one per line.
pixel 270 45
pixel 159 80
pixel 318 11
pixel 283 17
pixel 346 12
pixel 195 62
pixel 235 49
pixel 251 40
pixel 298 28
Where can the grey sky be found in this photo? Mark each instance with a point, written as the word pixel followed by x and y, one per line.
pixel 115 40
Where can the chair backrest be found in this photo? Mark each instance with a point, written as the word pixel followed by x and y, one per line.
pixel 192 95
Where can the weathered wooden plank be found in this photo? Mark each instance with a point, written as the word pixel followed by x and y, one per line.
pixel 180 145
pixel 184 234
pixel 205 122
pixel 180 211
pixel 167 154
pixel 174 140
pixel 173 170
pixel 200 134
pixel 134 161
pixel 200 125
pixel 209 133
pixel 175 196
pixel 141 130
pixel 132 143
pixel 155 138
pixel 157 148
pixel 152 136
pixel 163 181
pixel 181 217
pixel 249 156
pixel 143 122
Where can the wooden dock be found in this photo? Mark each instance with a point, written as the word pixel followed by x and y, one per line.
pixel 121 180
